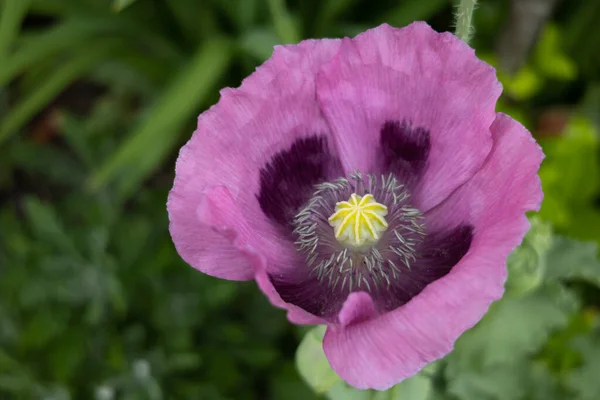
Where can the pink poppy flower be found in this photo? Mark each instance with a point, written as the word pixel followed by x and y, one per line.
pixel 367 184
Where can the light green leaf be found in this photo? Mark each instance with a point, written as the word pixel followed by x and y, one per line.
pixel 527 264
pixel 571 259
pixel 549 58
pixel 518 324
pixel 523 85
pixel 584 380
pixel 156 135
pixel 418 387
pixel 501 382
pixel 492 360
pixel 520 86
pixel 312 363
pixel 542 384
pixel 342 391
pixel 571 180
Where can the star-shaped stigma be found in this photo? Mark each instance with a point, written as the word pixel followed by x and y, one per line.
pixel 359 221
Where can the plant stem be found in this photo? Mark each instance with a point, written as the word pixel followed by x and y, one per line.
pixel 464 19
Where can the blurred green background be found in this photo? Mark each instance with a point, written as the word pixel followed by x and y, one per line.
pixel 97 96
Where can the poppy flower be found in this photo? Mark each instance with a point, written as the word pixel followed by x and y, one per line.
pixel 367 184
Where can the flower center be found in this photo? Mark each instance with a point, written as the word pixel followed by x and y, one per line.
pixel 359 221
pixel 375 237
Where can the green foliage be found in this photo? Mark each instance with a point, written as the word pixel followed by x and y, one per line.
pixel 180 98
pixel 571 180
pixel 13 12
pixel 95 98
pixel 120 5
pixel 312 363
pixel 527 264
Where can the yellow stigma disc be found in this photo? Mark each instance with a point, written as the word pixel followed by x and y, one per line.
pixel 359 221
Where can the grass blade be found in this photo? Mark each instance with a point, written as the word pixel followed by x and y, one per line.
pixel 409 11
pixel 36 49
pixel 13 12
pixel 70 70
pixel 156 135
pixel 283 22
pixel 120 5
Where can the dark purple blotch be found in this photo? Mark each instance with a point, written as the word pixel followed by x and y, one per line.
pixel 287 181
pixel 437 255
pixel 310 294
pixel 404 150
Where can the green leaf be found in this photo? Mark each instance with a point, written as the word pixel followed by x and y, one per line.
pixel 571 259
pixel 38 47
pixel 492 360
pixel 259 43
pixel 549 58
pixel 46 225
pixel 158 133
pixel 342 391
pixel 521 324
pixel 11 15
pixel 286 384
pixel 46 162
pixel 284 23
pixel 198 23
pixel 542 384
pixel 584 380
pixel 53 85
pixel 523 85
pixel 418 387
pixel 571 180
pixel 527 264
pixel 312 363
pixel 69 7
pixel 409 11
pixel 501 382
pixel 41 329
pixel 66 354
pixel 120 5
pixel 330 10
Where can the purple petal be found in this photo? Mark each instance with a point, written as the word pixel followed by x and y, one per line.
pixel 274 108
pixel 380 352
pixel 357 308
pixel 432 81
